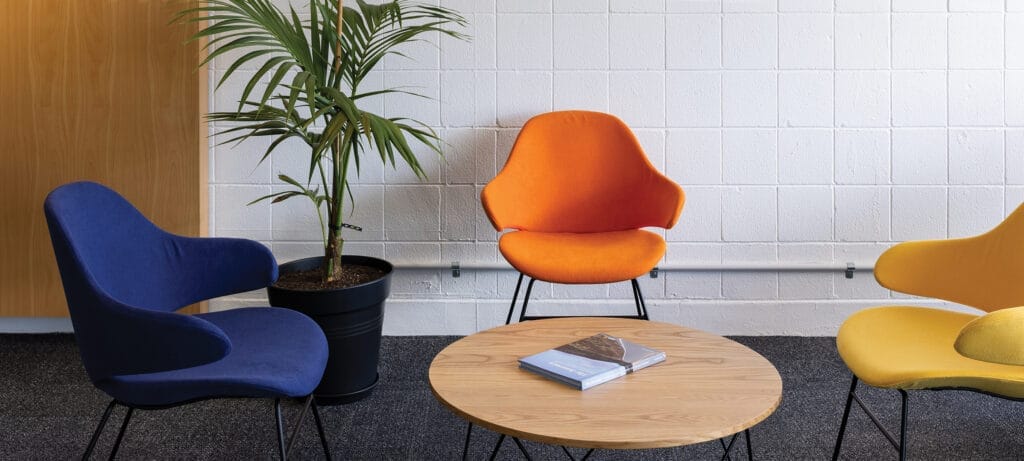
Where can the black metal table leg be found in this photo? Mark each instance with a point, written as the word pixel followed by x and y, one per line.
pixel 497 446
pixel 732 441
pixel 519 443
pixel 465 447
pixel 573 458
pixel 728 448
pixel 750 449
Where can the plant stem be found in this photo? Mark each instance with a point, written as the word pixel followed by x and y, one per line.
pixel 335 242
pixel 327 194
pixel 323 229
pixel 332 256
pixel 332 259
pixel 337 44
pixel 340 151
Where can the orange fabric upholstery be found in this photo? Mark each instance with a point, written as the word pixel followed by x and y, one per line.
pixel 577 187
pixel 602 257
pixel 578 171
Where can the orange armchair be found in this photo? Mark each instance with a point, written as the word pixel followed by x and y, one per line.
pixel 577 189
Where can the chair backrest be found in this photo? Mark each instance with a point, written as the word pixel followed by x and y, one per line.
pixel 985 271
pixel 127 256
pixel 579 171
pixel 122 277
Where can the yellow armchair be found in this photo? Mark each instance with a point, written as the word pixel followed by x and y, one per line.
pixel 909 348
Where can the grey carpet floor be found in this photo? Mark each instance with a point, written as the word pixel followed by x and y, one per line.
pixel 48 410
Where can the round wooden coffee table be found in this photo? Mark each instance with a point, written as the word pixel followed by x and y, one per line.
pixel 708 388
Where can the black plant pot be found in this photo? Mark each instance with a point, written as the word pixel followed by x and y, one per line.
pixel 352 319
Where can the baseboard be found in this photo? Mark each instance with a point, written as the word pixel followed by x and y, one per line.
pixel 415 317
pixel 35 325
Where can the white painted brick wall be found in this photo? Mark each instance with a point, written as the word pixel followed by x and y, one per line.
pixel 804 131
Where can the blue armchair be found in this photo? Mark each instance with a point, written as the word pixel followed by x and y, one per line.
pixel 124 278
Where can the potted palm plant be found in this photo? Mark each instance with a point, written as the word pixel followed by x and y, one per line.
pixel 313 65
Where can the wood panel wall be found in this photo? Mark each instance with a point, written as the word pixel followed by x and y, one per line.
pixel 103 90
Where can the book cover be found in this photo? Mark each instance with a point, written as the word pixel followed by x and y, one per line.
pixel 591 361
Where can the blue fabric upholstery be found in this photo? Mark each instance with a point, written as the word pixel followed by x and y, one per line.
pixel 124 278
pixel 275 352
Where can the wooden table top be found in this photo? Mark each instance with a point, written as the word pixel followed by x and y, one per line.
pixel 708 387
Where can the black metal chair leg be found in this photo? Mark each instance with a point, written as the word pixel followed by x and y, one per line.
pixel 497 446
pixel 636 299
pixel 298 424
pixel 846 416
pixel 99 430
pixel 120 433
pixel 320 430
pixel 526 299
pixel 515 296
pixel 280 430
pixel 903 426
pixel 309 404
pixel 465 447
pixel 641 305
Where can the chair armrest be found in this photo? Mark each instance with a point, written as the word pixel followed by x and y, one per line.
pixel 669 197
pixel 216 267
pixel 116 339
pixel 997 337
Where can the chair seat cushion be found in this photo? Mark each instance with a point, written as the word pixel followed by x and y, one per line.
pixel 274 353
pixel 906 347
pixel 601 257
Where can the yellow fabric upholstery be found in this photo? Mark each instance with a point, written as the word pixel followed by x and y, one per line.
pixel 997 337
pixel 985 272
pixel 602 257
pixel 917 348
pixel 902 347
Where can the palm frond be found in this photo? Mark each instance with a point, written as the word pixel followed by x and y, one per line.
pixel 312 92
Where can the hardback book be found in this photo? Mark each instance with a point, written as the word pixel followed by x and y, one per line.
pixel 591 361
